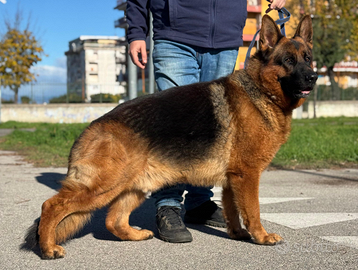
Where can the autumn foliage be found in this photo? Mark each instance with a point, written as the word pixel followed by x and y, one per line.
pixel 19 51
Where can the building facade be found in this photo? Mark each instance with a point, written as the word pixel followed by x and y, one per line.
pixel 96 65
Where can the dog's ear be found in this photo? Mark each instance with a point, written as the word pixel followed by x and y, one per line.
pixel 270 34
pixel 305 30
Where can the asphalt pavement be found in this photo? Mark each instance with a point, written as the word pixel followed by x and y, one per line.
pixel 316 212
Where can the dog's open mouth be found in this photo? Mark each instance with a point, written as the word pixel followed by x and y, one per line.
pixel 304 93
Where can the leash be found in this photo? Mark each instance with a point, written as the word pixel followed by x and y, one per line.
pixel 281 21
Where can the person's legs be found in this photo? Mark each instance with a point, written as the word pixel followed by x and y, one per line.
pixel 213 64
pixel 216 63
pixel 175 65
pixel 199 208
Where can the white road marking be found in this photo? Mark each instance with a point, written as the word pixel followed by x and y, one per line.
pixel 269 200
pixel 305 220
pixel 350 241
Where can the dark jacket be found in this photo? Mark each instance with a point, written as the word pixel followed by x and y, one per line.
pixel 216 24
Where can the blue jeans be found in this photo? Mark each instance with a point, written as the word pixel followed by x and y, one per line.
pixel 177 64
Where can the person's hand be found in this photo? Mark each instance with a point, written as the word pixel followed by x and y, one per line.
pixel 276 4
pixel 138 53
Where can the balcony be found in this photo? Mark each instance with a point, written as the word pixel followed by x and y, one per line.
pixel 121 23
pixel 121 5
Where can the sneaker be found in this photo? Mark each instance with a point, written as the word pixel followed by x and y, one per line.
pixel 170 225
pixel 208 213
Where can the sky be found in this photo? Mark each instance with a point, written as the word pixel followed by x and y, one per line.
pixel 56 22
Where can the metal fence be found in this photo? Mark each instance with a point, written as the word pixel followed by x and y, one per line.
pixel 324 92
pixel 40 93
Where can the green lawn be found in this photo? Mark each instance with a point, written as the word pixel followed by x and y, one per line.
pixel 48 145
pixel 320 143
pixel 314 143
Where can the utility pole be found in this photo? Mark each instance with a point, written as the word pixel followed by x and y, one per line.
pixel 131 68
pixel 132 78
pixel 150 60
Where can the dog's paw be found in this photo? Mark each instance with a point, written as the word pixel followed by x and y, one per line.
pixel 270 239
pixel 56 252
pixel 147 234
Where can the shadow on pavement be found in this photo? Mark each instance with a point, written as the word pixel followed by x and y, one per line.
pixel 336 178
pixel 208 230
pixel 143 217
pixel 51 180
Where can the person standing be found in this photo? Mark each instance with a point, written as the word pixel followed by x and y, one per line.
pixel 194 41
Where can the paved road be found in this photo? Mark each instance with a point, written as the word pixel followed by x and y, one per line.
pixel 315 211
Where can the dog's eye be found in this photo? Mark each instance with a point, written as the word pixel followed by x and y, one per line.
pixel 307 59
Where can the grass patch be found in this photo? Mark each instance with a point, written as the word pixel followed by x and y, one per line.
pixel 314 143
pixel 320 143
pixel 48 145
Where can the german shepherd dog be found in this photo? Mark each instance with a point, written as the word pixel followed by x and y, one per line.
pixel 224 132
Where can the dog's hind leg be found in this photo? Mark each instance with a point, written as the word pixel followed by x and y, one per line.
pixel 232 217
pixel 117 221
pixel 52 214
pixel 65 213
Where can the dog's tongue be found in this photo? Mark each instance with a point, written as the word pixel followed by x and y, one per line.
pixel 306 91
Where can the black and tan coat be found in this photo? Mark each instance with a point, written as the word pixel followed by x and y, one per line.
pixel 223 132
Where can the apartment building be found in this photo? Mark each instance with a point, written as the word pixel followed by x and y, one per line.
pixel 96 64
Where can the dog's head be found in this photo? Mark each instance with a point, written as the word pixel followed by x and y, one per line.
pixel 286 67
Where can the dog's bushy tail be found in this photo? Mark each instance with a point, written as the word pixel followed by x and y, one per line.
pixel 65 229
pixel 32 236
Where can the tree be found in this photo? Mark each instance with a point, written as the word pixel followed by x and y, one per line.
pixel 352 45
pixel 333 23
pixel 334 33
pixel 19 51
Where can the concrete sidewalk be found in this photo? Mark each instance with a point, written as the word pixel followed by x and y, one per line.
pixel 7 131
pixel 315 211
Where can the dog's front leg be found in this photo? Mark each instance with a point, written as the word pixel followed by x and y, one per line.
pixel 232 217
pixel 245 189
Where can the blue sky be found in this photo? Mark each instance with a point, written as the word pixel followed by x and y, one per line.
pixel 59 21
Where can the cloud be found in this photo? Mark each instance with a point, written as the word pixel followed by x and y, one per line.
pixel 50 74
pixel 61 62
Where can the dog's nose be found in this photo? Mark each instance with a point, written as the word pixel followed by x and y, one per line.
pixel 312 78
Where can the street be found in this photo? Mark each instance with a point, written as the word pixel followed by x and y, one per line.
pixel 316 212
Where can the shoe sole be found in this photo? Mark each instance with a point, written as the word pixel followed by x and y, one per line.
pixel 185 239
